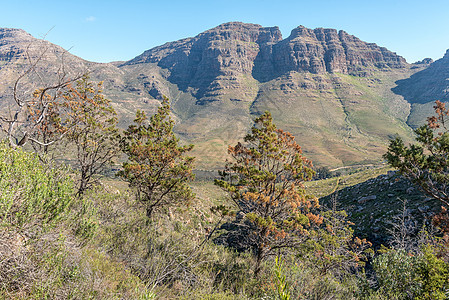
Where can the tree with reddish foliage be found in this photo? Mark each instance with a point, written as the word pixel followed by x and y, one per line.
pixel 90 121
pixel 265 180
pixel 157 168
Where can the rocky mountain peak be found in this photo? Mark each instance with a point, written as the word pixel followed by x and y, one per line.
pixel 425 61
pixel 317 33
pixel 14 43
pixel 11 41
pixel 324 50
pixel 9 33
pixel 300 31
pixel 234 27
pixel 215 59
pixel 232 50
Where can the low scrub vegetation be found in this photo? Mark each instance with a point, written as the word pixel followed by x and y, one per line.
pixel 67 236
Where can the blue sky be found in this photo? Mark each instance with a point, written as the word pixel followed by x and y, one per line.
pixel 105 31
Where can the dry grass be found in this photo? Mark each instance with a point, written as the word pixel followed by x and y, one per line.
pixel 325 187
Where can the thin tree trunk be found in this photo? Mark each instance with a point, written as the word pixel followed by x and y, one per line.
pixel 259 256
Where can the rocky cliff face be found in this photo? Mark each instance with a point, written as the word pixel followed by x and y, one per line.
pixel 427 85
pixel 216 60
pixel 328 51
pixel 219 58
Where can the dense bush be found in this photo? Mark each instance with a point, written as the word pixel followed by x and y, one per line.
pixel 403 275
pixel 46 250
pixel 33 195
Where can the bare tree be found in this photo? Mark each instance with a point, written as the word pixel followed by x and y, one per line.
pixel 30 109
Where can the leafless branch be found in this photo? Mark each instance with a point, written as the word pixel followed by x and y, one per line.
pixel 19 125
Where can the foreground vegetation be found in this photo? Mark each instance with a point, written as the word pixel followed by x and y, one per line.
pixel 261 233
pixel 103 246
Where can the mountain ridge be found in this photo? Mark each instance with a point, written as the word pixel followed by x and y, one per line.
pixel 243 69
pixel 329 88
pixel 261 52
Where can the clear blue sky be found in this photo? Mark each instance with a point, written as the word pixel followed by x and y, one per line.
pixel 105 31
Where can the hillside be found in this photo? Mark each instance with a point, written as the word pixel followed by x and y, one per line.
pixel 329 88
pixel 423 88
pixel 379 204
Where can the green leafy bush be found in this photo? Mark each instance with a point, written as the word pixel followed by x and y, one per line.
pixel 333 248
pixel 402 275
pixel 330 262
pixel 46 245
pixel 33 195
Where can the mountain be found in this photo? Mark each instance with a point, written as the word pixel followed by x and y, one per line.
pixel 18 50
pixel 424 87
pixel 327 87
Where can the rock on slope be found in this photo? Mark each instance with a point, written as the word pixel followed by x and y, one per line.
pixel 379 204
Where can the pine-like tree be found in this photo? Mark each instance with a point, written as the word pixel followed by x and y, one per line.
pixel 265 181
pixel 157 168
pixel 426 163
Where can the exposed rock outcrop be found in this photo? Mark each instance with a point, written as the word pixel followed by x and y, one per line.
pixel 427 85
pixel 224 57
pixel 217 59
pixel 328 51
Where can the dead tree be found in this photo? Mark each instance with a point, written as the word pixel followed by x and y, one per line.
pixel 30 108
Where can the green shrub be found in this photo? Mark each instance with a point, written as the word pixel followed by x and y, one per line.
pixel 282 284
pixel 396 274
pixel 402 275
pixel 305 281
pixel 33 195
pixel 333 248
pixel 46 245
pixel 433 275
